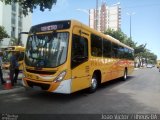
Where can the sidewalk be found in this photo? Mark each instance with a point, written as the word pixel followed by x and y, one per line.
pixel 14 88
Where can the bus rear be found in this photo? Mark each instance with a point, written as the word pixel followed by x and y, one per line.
pixel 7 51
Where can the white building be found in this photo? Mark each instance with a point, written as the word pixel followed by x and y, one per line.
pixel 114 17
pixel 106 17
pixel 14 21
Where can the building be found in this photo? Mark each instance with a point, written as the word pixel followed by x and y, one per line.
pixel 14 21
pixel 105 17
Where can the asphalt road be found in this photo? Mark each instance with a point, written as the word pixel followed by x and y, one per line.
pixel 139 94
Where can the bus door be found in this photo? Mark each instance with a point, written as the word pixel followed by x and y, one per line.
pixel 79 59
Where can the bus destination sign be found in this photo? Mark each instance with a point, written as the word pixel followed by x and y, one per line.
pixel 50 26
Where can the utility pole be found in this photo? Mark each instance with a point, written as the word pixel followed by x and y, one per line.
pixel 130 24
pixel 130 19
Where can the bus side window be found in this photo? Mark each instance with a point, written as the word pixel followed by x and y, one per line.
pixel 79 52
pixel 107 48
pixel 114 50
pixel 96 46
pixel 94 51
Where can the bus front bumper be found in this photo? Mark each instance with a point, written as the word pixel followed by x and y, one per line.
pixel 56 87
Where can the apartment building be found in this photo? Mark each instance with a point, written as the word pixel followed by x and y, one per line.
pixel 105 17
pixel 14 21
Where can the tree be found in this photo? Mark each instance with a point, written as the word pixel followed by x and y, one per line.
pixel 139 53
pixel 151 58
pixel 119 35
pixel 144 55
pixel 3 34
pixel 29 5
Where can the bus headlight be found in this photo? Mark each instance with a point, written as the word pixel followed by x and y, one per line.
pixel 60 76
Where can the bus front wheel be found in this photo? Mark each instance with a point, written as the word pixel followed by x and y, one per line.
pixel 94 84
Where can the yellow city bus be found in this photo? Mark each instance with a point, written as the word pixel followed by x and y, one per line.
pixel 68 56
pixel 7 52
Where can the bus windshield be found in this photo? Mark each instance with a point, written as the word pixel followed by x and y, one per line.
pixel 47 50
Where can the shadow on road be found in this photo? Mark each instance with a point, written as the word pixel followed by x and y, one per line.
pixel 65 98
pixel 115 82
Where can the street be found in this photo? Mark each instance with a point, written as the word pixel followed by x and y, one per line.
pixel 139 94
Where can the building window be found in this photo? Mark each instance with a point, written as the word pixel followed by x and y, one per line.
pixel 13 7
pixel 20 23
pixel 19 30
pixel 13 32
pixel 13 29
pixel 13 19
pixel 20 12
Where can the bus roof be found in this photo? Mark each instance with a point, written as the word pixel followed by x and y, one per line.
pixel 14 48
pixel 101 34
pixel 66 24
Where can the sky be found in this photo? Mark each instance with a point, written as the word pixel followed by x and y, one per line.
pixel 145 18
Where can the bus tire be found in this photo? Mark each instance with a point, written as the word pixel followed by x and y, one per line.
pixel 125 75
pixel 94 84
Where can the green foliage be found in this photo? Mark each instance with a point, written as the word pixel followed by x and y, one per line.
pixel 119 35
pixel 29 5
pixel 116 34
pixel 140 49
pixel 130 43
pixel 3 33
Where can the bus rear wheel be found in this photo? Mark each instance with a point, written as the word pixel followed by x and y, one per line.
pixel 94 84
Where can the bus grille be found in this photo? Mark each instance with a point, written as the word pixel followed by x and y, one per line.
pixel 41 72
pixel 43 86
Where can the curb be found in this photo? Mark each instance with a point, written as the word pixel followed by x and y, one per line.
pixel 12 90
